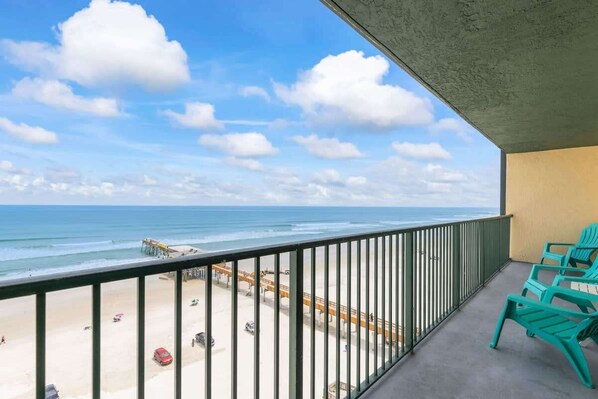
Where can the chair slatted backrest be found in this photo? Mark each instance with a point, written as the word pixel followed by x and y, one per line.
pixel 591 330
pixel 589 238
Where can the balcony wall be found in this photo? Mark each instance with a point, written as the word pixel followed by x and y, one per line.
pixel 552 195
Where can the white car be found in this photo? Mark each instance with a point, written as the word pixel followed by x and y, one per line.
pixel 250 327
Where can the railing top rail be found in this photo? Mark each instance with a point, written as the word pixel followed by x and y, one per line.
pixel 23 286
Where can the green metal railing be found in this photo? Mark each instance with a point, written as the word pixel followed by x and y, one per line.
pixel 383 293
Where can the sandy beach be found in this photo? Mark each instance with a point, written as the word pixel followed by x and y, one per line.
pixel 69 343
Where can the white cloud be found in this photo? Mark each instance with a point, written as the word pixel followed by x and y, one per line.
pixel 428 151
pixel 327 148
pixel 60 95
pixel 6 166
pixel 247 91
pixel 441 174
pixel 242 145
pixel 328 176
pixel 460 128
pixel 61 174
pixel 356 181
pixel 149 181
pixel 24 132
pixel 197 115
pixel 348 88
pixel 106 44
pixel 245 163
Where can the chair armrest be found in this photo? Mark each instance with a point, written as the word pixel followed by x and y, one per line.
pixel 589 280
pixel 547 306
pixel 565 293
pixel 556 244
pixel 561 269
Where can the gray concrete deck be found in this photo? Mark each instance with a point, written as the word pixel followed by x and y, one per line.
pixel 456 362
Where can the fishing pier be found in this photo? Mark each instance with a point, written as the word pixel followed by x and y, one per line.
pixel 348 316
pixel 161 250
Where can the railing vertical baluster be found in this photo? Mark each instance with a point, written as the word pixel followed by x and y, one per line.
pixel 326 313
pixel 338 318
pixel 450 268
pixel 367 310
pixel 482 265
pixel 96 333
pixel 234 329
pixel 403 297
pixel 409 327
pixel 471 258
pixel 383 300
pixel 419 273
pixel 432 286
pixel 428 305
pixel 256 336
pixel 358 281
pixel 141 337
pixel 208 343
pixel 349 318
pixel 312 312
pixel 277 325
pixel 296 325
pixel 437 277
pixel 456 266
pixel 40 346
pixel 398 292
pixel 421 278
pixel 444 273
pixel 376 264
pixel 178 332
pixel 390 296
pixel 466 254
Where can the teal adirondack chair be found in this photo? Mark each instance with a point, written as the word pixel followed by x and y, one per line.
pixel 576 253
pixel 538 287
pixel 563 328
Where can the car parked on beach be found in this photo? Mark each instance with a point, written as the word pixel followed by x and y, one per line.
pixel 200 338
pixel 52 392
pixel 162 356
pixel 250 327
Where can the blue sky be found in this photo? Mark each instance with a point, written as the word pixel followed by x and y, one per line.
pixel 220 102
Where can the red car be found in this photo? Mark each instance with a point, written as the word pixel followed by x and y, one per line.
pixel 162 356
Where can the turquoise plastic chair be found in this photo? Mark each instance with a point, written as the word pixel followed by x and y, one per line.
pixel 576 253
pixel 563 328
pixel 538 287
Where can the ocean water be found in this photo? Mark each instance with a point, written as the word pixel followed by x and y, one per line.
pixel 44 239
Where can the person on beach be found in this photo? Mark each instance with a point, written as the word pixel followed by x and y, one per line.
pixel 192 343
pixel 3 341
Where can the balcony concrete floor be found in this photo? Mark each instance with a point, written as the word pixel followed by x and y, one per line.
pixel 456 362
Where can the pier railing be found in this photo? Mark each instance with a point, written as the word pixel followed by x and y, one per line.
pixel 356 304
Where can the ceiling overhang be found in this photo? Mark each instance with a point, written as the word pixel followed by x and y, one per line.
pixel 524 73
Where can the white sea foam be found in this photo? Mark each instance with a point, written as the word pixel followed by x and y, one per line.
pixel 87 265
pixel 62 250
pixel 10 254
pixel 404 222
pixel 332 226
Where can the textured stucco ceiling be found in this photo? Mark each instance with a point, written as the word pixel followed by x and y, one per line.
pixel 523 72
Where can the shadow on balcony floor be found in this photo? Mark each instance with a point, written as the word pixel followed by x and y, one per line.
pixel 456 361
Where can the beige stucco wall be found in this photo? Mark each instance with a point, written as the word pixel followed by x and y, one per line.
pixel 552 196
